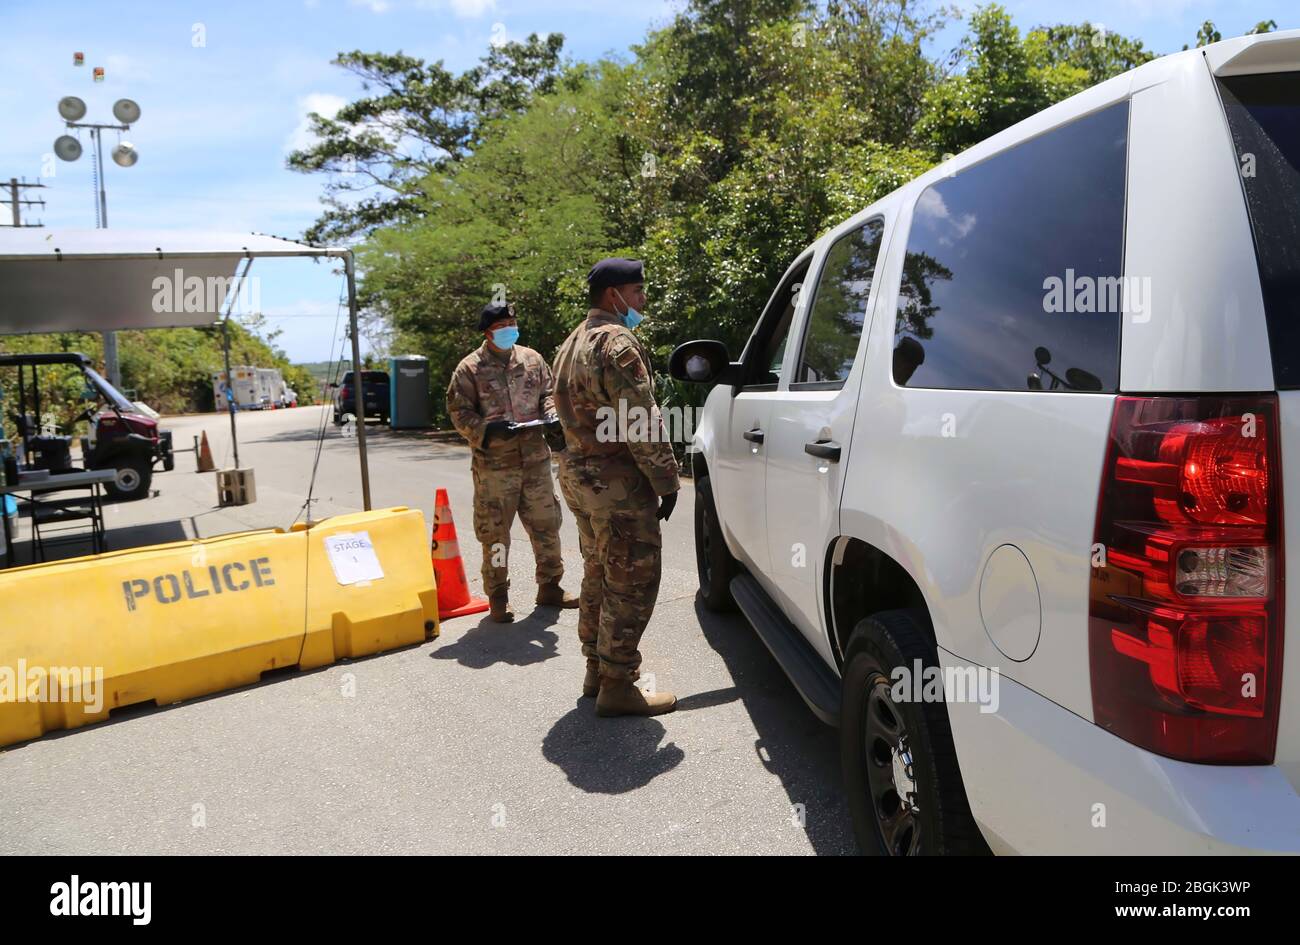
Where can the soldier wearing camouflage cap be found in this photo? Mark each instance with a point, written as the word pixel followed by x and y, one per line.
pixel 498 386
pixel 619 478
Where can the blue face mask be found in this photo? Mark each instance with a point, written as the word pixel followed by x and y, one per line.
pixel 631 318
pixel 505 338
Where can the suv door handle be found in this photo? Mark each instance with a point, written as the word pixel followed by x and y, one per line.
pixel 754 436
pixel 823 450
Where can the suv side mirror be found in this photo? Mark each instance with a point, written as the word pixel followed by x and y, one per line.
pixel 703 362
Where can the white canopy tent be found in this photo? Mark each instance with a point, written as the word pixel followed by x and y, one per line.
pixel 106 280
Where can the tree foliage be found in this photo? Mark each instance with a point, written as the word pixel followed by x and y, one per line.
pixel 420 120
pixel 733 136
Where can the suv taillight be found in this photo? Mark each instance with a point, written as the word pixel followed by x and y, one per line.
pixel 1185 603
pixel 345 392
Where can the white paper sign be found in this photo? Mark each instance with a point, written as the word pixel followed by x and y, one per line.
pixel 353 558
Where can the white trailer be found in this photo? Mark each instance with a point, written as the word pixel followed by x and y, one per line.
pixel 245 388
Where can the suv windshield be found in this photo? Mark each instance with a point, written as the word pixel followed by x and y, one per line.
pixel 1264 116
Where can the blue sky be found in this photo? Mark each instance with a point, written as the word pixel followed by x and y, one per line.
pixel 218 117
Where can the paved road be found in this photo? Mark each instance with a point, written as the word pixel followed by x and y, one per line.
pixel 473 743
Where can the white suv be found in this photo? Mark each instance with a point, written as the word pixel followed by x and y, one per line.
pixel 1022 429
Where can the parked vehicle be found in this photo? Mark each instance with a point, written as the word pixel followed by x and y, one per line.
pixel 376 396
pixel 121 437
pixel 1032 420
pixel 254 388
pixel 244 387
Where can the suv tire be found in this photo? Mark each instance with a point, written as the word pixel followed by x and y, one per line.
pixel 884 742
pixel 713 562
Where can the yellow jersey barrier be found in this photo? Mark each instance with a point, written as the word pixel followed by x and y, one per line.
pixel 164 623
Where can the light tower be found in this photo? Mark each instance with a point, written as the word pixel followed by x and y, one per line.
pixel 68 148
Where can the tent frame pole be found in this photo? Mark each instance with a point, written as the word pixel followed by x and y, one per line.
pixel 225 336
pixel 358 377
pixel 230 387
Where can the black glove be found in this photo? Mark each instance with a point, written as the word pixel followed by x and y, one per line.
pixel 553 433
pixel 504 429
pixel 666 505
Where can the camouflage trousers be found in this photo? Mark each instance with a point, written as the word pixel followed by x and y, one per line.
pixel 618 530
pixel 498 495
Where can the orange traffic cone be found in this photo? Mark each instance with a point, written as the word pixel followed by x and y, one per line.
pixel 448 569
pixel 205 455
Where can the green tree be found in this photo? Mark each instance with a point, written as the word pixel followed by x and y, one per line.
pixel 737 134
pixel 421 119
pixel 1098 52
pixel 1007 78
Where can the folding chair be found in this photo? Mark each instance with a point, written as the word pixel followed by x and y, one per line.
pixel 47 512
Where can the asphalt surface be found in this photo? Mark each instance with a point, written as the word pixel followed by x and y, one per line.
pixel 476 742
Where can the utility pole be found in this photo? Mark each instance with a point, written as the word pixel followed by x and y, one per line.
pixel 15 187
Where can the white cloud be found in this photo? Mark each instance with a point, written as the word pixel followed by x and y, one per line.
pixel 374 6
pixel 323 104
pixel 931 206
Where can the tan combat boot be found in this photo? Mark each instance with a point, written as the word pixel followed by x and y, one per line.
pixel 622 697
pixel 591 681
pixel 552 595
pixel 500 607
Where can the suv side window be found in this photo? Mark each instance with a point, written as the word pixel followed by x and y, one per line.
pixel 1013 277
pixel 839 309
pixel 1264 116
pixel 766 352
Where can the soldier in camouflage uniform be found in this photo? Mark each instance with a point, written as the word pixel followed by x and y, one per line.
pixel 499 385
pixel 619 478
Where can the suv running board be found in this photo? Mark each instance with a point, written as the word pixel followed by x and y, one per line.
pixel 813 679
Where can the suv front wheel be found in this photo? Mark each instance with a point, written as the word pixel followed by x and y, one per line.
pixel 900 767
pixel 713 561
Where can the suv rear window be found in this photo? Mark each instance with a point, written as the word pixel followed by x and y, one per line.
pixel 1264 117
pixel 1013 273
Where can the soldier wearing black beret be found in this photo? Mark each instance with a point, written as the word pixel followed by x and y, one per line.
pixel 618 485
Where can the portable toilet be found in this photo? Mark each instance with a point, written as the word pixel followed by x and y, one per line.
pixel 408 390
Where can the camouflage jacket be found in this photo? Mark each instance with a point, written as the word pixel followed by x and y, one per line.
pixel 604 395
pixel 515 385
